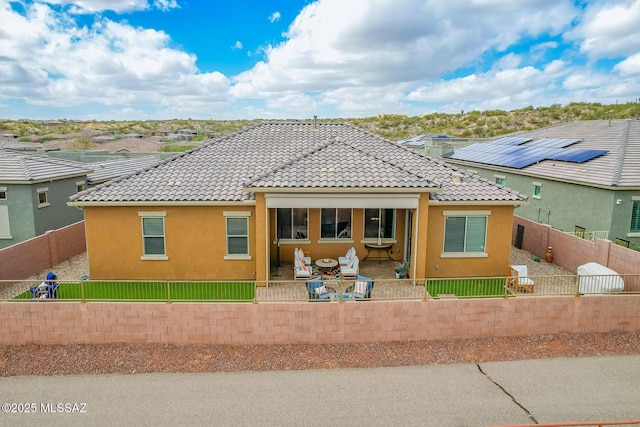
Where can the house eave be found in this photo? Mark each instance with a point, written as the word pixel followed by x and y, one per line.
pixel 351 190
pixel 493 168
pixel 478 203
pixel 165 203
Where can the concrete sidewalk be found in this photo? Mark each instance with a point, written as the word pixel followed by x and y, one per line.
pixel 498 393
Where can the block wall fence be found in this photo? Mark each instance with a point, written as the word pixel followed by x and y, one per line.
pixel 20 261
pixel 570 251
pixel 53 322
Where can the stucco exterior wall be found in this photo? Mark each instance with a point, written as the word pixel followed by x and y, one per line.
pixel 19 204
pixel 565 205
pixel 57 214
pixel 54 322
pixel 195 244
pixel 498 247
pixel 27 220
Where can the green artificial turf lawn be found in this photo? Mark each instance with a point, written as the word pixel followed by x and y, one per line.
pixel 471 287
pixel 155 291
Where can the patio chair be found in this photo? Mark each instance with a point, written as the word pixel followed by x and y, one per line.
pixel 351 269
pixel 299 254
pixel 519 279
pixel 344 260
pixel 318 290
pixel 361 288
pixel 300 269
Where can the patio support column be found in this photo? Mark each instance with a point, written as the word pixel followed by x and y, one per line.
pixel 420 227
pixel 262 240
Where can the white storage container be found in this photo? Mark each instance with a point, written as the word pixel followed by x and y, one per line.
pixel 596 279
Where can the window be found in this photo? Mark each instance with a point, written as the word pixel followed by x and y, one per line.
pixel 635 217
pixel 153 240
pixel 379 223
pixel 537 190
pixel 465 234
pixel 335 223
pixel 291 223
pixel 43 199
pixel 237 236
pixel 3 193
pixel 79 186
pixel 501 179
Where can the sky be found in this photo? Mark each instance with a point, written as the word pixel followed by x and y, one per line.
pixel 293 59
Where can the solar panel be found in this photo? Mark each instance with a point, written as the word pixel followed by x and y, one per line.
pixel 511 140
pixel 577 155
pixel 520 152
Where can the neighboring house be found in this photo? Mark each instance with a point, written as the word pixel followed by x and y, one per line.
pixel 34 191
pixel 582 176
pixel 224 210
pixel 436 144
pixel 108 170
pixel 130 145
pixel 103 138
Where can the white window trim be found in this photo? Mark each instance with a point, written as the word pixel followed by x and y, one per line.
pixel 154 214
pixel 45 191
pixel 237 214
pixel 465 254
pixel 500 176
pixel 3 190
pixel 80 183
pixel 6 236
pixel 466 213
pixel 536 184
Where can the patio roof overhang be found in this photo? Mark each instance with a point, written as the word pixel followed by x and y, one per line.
pixel 342 200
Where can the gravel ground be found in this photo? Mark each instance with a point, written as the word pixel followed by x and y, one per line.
pixel 146 358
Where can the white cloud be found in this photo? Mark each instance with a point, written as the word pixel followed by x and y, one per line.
pixel 504 86
pixel 629 67
pixel 120 6
pixel 274 17
pixel 609 29
pixel 364 43
pixel 48 60
pixel 237 45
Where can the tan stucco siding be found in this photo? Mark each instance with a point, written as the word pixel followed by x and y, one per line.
pixel 195 244
pixel 498 244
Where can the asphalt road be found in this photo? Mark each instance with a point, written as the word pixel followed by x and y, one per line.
pixel 497 393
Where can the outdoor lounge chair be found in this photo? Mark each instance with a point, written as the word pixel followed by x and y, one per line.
pixel 299 254
pixel 301 270
pixel 361 288
pixel 344 260
pixel 351 269
pixel 519 279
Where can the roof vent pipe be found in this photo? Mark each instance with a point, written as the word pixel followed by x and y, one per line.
pixel 315 122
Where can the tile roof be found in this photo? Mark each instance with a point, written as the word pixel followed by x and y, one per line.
pixel 295 154
pixel 16 167
pixel 132 145
pixel 619 167
pixel 105 171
